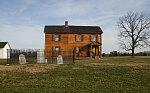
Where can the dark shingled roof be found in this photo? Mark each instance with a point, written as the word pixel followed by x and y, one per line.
pixel 2 44
pixel 73 29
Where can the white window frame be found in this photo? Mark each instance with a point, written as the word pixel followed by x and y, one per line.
pixel 79 49
pixel 79 37
pixel 93 37
pixel 57 49
pixel 57 37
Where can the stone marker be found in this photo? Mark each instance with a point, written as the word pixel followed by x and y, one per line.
pixel 45 60
pixel 22 59
pixel 59 60
pixel 40 56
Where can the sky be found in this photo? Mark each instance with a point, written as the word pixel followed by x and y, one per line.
pixel 22 21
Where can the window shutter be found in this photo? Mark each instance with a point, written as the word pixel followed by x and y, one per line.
pixel 90 38
pixel 97 38
pixel 59 49
pixel 76 50
pixel 81 37
pixel 75 37
pixel 52 49
pixel 52 37
pixel 81 49
pixel 59 37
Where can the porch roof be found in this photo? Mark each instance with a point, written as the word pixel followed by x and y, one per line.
pixel 95 43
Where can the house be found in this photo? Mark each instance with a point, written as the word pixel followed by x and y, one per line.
pixel 3 49
pixel 85 40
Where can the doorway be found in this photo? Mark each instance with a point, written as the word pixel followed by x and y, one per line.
pixel 95 50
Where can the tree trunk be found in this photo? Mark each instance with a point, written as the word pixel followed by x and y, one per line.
pixel 133 43
pixel 133 52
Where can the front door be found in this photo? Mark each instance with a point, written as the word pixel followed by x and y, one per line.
pixel 95 50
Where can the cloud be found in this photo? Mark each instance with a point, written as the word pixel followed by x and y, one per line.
pixel 66 8
pixel 23 5
pixel 22 21
pixel 23 36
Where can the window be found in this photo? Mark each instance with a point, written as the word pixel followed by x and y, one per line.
pixel 79 49
pixel 56 37
pixel 93 37
pixel 56 49
pixel 79 38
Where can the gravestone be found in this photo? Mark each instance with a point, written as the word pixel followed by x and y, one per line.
pixel 59 60
pixel 40 56
pixel 45 60
pixel 22 59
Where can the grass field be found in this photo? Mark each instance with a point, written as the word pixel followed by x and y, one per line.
pixel 110 74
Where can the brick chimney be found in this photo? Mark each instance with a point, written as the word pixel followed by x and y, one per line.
pixel 66 23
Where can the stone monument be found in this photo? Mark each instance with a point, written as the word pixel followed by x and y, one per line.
pixel 45 60
pixel 22 59
pixel 40 56
pixel 59 60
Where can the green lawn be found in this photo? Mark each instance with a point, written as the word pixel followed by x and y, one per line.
pixel 110 74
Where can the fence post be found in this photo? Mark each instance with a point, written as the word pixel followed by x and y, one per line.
pixel 52 55
pixel 73 57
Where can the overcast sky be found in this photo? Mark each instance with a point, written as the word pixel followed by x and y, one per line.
pixel 22 21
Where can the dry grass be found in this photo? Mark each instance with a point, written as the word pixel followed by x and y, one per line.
pixel 99 64
pixel 129 64
pixel 117 57
pixel 76 68
pixel 134 64
pixel 114 74
pixel 122 57
pixel 29 68
pixel 142 56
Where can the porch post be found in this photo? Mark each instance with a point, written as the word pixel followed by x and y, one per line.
pixel 100 51
pixel 90 51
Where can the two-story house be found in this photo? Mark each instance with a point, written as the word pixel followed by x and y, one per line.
pixel 85 40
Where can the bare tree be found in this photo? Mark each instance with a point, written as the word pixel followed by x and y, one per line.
pixel 134 31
